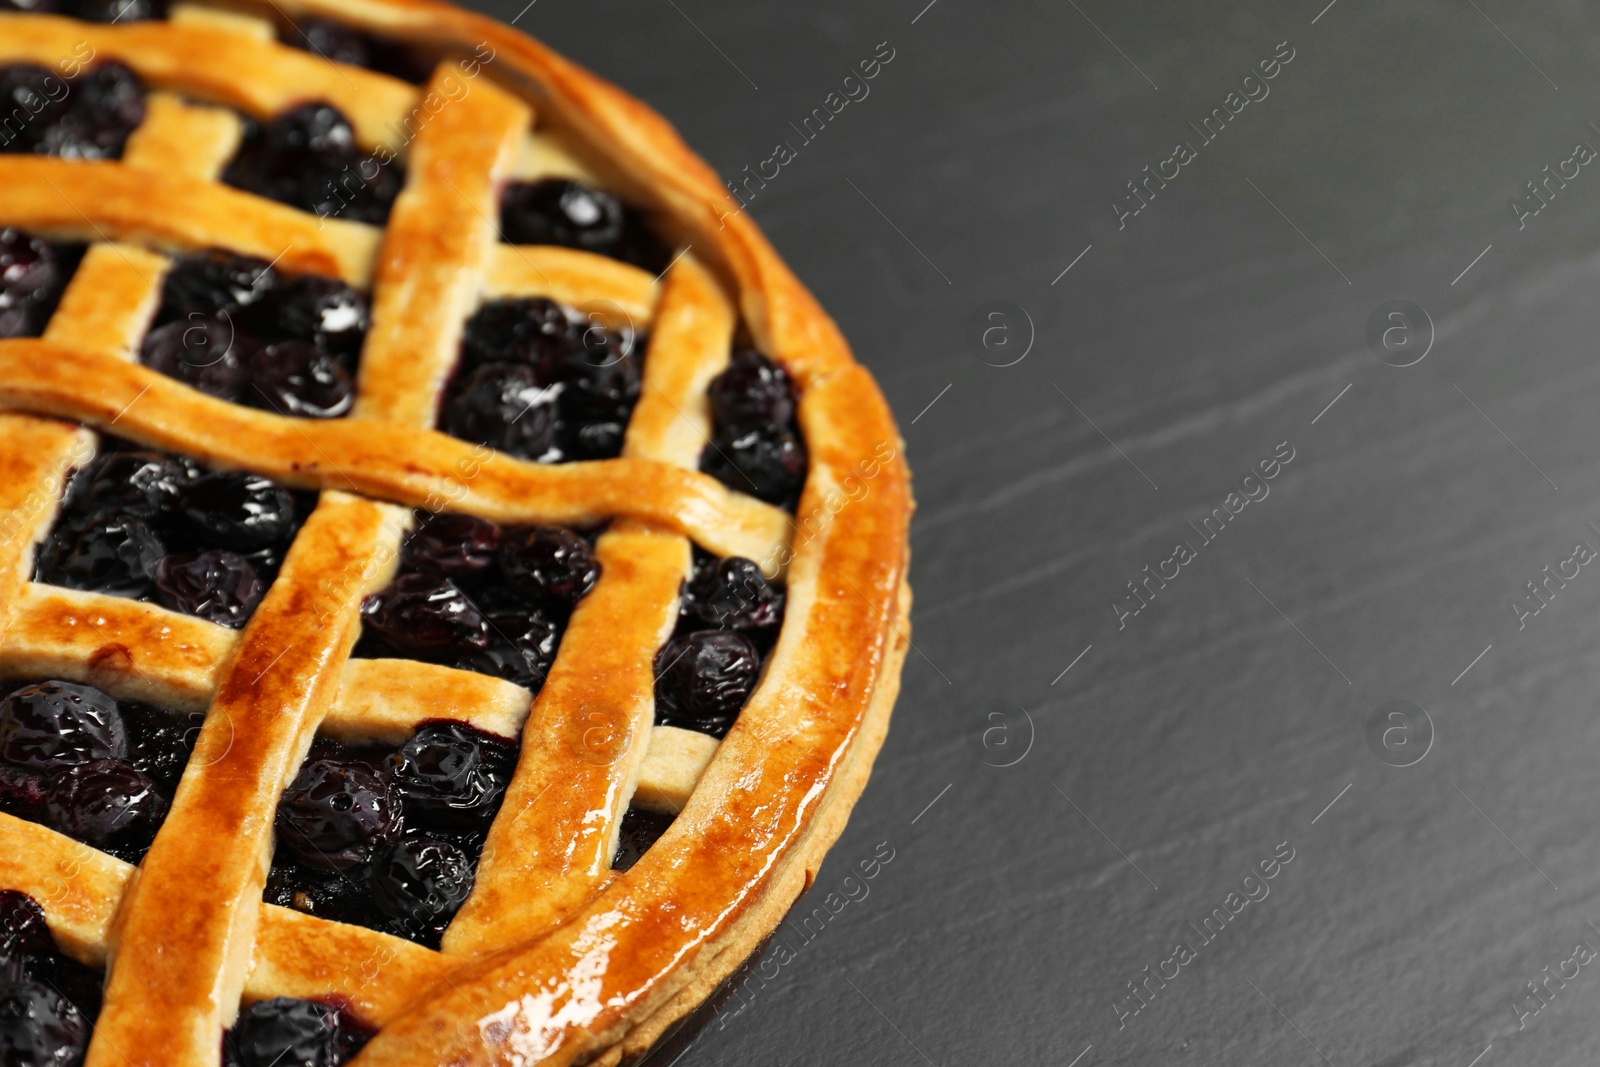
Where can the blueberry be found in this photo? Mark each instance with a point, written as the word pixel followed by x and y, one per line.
pixel 207 352
pixel 53 725
pixel 310 128
pixel 761 459
pixel 32 98
pixel 214 584
pixel 40 1028
pixel 307 157
pixel 335 815
pixel 451 545
pixel 298 379
pixel 752 389
pixel 238 510
pixel 504 406
pixel 452 776
pixel 530 330
pixel 522 646
pixel 30 281
pixel 640 829
pixel 324 311
pixel 425 616
pixel 552 564
pixel 24 938
pixel 555 211
pixel 703 680
pixel 105 803
pixel 215 282
pixel 283 1032
pixel 732 594
pixel 105 105
pixel 112 552
pixel 421 881
pixel 600 382
pixel 146 484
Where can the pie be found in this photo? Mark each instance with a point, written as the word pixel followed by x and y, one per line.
pixel 452 575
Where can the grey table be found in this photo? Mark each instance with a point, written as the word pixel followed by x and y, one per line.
pixel 1337 669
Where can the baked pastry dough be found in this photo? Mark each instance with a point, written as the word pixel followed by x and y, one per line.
pixel 555 957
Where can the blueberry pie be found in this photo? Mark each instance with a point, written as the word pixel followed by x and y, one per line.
pixel 452 576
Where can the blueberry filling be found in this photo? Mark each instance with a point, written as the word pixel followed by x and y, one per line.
pixel 157 527
pixel 48 1000
pixel 390 839
pixel 98 770
pixel 728 620
pixel 284 1032
pixel 233 328
pixel 555 211
pixel 85 117
pixel 538 381
pixel 756 446
pixel 640 829
pixel 308 158
pixel 33 275
pixel 477 597
pixel 341 44
pixel 92 10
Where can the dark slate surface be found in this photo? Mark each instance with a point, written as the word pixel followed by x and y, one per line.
pixel 1220 722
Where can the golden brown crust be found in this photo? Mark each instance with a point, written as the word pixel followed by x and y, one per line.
pixel 638 949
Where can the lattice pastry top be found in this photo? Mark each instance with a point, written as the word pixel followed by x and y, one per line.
pixel 452 576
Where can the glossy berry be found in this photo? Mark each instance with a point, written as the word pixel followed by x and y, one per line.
pixel 24 938
pixel 504 406
pixel 322 310
pixel 333 895
pixel 213 584
pixel 307 157
pixel 214 282
pixel 421 881
pixel 530 330
pixel 555 211
pixel 30 279
pixel 766 461
pixel 732 594
pixel 207 352
pixel 147 484
pixel 105 803
pixel 450 776
pixel 283 1032
pixel 111 552
pixel 239 510
pixel 600 382
pixel 53 725
pixel 752 389
pixel 335 815
pixel 298 379
pixel 522 646
pixel 640 829
pixel 32 97
pixel 105 104
pixel 703 680
pixel 552 564
pixel 425 616
pixel 40 1028
pixel 451 545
